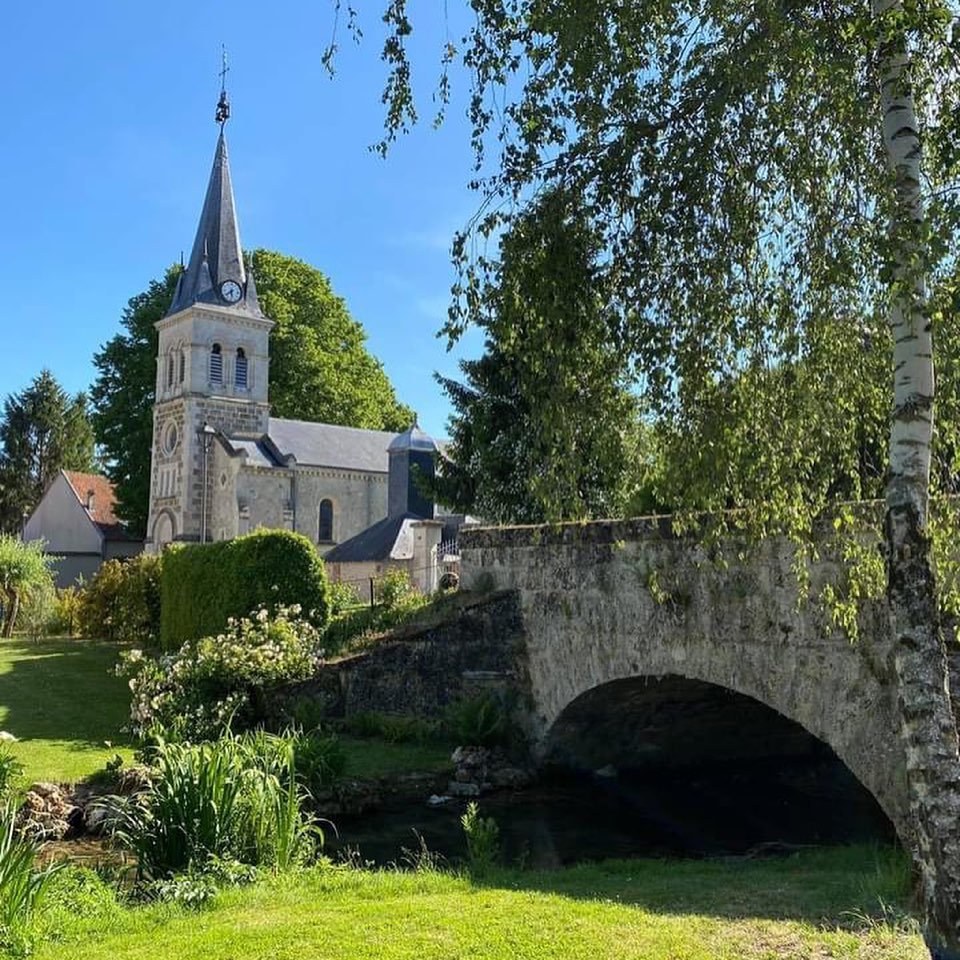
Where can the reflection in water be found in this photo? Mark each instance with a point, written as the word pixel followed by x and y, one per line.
pixel 724 810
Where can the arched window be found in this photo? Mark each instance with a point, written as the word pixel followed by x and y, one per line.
pixel 216 364
pixel 170 370
pixel 241 378
pixel 183 363
pixel 325 534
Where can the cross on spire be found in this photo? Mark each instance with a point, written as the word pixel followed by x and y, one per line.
pixel 223 105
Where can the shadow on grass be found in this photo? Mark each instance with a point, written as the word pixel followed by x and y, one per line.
pixel 63 690
pixel 842 887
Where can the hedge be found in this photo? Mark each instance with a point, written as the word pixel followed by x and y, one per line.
pixel 203 585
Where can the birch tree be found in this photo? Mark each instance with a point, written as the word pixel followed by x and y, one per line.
pixel 928 724
pixel 775 185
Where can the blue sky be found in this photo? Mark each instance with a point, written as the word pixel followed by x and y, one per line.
pixel 106 142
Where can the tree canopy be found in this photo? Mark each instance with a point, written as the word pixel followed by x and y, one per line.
pixel 544 427
pixel 731 160
pixel 319 370
pixel 43 430
pixel 776 188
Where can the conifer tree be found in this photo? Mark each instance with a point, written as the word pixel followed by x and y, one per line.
pixel 42 430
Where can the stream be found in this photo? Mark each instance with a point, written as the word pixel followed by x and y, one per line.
pixel 732 809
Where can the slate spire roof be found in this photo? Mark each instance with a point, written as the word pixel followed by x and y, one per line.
pixel 217 255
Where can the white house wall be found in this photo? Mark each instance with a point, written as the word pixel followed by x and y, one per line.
pixel 63 524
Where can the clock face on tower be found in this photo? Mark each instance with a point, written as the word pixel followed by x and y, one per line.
pixel 230 291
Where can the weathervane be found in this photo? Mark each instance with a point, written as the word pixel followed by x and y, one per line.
pixel 223 105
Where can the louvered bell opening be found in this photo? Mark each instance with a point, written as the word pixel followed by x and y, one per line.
pixel 241 368
pixel 216 364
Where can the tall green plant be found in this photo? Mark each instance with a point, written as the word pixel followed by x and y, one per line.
pixel 224 681
pixel 24 568
pixel 205 585
pixel 122 601
pixel 483 840
pixel 234 798
pixel 11 770
pixel 21 884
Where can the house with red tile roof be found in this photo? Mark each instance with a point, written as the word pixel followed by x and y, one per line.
pixel 76 518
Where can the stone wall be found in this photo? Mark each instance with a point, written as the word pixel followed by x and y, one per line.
pixel 608 601
pixel 423 671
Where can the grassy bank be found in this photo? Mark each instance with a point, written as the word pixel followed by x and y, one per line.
pixel 371 758
pixel 819 905
pixel 61 700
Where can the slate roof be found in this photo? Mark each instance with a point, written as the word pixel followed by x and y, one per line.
pixel 217 254
pixel 257 452
pixel 103 514
pixel 389 539
pixel 325 445
pixel 413 438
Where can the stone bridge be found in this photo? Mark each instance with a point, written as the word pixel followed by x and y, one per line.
pixel 623 619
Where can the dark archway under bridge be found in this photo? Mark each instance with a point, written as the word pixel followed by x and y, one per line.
pixel 709 771
pixel 626 610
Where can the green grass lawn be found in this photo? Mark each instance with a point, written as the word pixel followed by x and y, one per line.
pixel 818 905
pixel 62 700
pixel 370 758
pixel 59 697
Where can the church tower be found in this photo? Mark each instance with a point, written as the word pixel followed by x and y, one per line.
pixel 212 365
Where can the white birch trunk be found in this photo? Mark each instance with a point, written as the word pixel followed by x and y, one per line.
pixel 927 725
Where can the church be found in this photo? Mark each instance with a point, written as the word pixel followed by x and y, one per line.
pixel 222 466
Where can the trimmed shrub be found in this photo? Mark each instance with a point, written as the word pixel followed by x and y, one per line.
pixel 217 682
pixel 122 602
pixel 204 585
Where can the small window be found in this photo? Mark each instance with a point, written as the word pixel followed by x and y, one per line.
pixel 183 364
pixel 170 370
pixel 325 534
pixel 241 367
pixel 216 364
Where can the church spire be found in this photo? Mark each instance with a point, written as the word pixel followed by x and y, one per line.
pixel 216 272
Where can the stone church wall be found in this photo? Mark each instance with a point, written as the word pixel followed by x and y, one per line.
pixel 266 494
pixel 359 500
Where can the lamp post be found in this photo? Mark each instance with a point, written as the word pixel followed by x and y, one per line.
pixel 206 434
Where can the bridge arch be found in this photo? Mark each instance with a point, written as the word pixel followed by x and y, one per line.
pixel 609 602
pixel 719 770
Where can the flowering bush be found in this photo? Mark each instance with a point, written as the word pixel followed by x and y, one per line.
pixel 217 682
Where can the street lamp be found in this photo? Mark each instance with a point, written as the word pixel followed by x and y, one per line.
pixel 206 433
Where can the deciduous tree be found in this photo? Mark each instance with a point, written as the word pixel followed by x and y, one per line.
pixel 24 567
